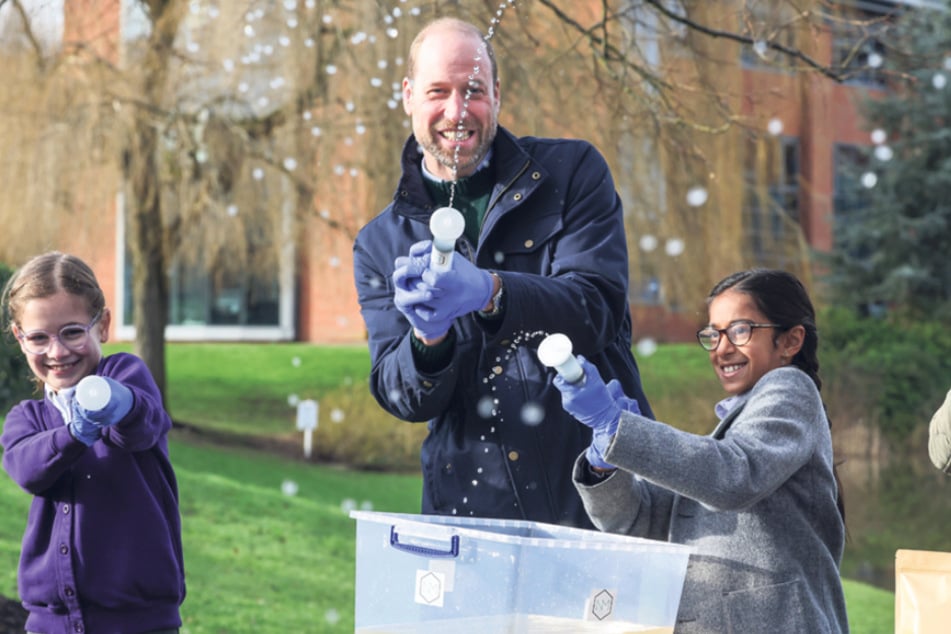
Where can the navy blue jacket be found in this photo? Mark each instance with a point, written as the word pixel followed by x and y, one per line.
pixel 554 233
pixel 102 550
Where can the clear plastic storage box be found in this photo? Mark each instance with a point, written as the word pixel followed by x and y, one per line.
pixel 452 575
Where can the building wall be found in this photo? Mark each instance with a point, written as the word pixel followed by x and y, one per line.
pixel 817 110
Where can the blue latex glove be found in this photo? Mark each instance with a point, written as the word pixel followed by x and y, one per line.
pixel 120 403
pixel 593 404
pixel 84 430
pixel 624 402
pixel 463 289
pixel 411 294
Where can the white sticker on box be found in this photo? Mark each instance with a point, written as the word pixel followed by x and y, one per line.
pixel 448 568
pixel 430 588
pixel 600 605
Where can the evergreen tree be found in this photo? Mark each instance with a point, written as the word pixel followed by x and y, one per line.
pixel 893 226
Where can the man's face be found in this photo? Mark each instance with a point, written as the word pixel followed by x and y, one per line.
pixel 454 132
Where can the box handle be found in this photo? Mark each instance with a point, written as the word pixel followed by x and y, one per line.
pixel 423 551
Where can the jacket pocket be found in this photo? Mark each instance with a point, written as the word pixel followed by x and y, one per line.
pixel 768 609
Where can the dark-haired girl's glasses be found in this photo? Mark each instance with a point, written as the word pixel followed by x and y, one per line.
pixel 71 336
pixel 739 333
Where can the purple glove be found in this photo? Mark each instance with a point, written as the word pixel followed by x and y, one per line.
pixel 461 290
pixel 411 294
pixel 593 404
pixel 84 430
pixel 119 405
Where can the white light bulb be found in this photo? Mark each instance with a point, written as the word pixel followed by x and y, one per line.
pixel 555 352
pixel 447 224
pixel 93 393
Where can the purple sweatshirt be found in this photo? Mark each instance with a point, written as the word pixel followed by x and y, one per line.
pixel 102 550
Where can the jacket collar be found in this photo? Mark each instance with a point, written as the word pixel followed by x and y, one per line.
pixel 411 197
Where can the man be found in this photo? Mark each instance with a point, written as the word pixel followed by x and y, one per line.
pixel 543 251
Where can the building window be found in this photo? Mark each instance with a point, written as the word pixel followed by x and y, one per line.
pixel 213 297
pixel 858 42
pixel 853 183
pixel 771 210
pixel 218 303
pixel 768 24
pixel 851 164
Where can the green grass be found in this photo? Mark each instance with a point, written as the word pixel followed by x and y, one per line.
pixel 258 560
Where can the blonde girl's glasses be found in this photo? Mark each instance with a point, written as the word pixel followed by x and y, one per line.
pixel 71 336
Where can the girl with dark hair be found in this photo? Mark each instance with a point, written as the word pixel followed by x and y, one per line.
pixel 758 498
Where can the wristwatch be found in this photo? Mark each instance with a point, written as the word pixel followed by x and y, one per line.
pixel 496 301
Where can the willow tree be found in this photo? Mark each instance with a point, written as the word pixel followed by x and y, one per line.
pixel 202 117
pixel 201 108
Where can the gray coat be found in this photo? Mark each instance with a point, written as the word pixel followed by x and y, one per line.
pixel 756 500
pixel 939 436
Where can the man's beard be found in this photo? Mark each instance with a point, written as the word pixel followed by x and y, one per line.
pixel 461 162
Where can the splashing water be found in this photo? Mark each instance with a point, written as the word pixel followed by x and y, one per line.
pixel 460 126
pixel 646 347
pixel 289 488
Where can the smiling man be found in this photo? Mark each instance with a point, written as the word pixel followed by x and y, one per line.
pixel 543 251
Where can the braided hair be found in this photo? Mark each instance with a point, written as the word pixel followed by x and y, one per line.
pixel 783 300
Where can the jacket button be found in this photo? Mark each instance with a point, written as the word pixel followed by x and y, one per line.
pixel 517 197
pixel 536 176
pixel 63 549
pixel 427 383
pixel 529 244
pixel 513 456
pixel 66 509
pixel 69 591
pixel 497 369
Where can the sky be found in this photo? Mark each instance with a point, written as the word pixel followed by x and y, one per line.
pixel 46 17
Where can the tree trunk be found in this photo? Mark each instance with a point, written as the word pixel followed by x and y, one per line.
pixel 147 249
pixel 146 236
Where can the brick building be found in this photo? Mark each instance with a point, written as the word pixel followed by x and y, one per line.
pixel 312 298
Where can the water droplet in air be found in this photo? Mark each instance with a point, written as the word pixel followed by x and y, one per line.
pixel 878 136
pixel 696 196
pixel 884 153
pixel 775 126
pixel 532 414
pixel 869 180
pixel 486 407
pixel 646 347
pixel 674 247
pixel 647 243
pixel 289 487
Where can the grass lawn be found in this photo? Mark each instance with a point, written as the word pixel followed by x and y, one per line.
pixel 260 560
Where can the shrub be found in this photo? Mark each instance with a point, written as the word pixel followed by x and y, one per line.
pixel 15 377
pixel 901 368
